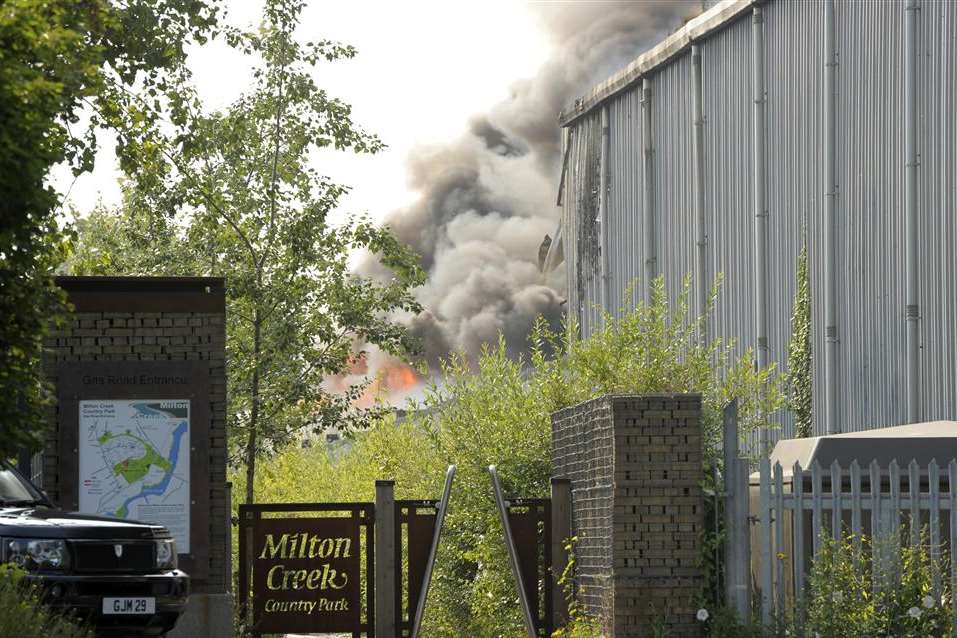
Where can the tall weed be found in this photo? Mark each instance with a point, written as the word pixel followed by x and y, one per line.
pixel 23 615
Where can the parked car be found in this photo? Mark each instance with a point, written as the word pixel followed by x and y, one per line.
pixel 119 575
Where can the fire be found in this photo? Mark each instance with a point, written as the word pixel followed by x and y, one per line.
pixel 392 380
pixel 400 378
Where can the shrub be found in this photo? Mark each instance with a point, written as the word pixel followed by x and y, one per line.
pixel 23 615
pixel 840 600
pixel 842 603
pixel 912 608
pixel 580 624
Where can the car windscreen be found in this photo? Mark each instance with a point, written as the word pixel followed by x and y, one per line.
pixel 13 488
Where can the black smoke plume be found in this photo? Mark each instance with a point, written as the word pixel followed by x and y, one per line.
pixel 487 199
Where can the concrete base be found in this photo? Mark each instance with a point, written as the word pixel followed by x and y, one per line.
pixel 207 616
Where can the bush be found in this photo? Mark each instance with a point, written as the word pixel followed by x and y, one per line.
pixel 841 602
pixel 498 411
pixel 22 614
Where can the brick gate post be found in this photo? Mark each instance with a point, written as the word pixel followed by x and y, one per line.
pixel 635 466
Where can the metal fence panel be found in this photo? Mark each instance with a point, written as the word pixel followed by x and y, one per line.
pixel 837 510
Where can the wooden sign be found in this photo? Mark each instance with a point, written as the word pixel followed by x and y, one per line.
pixel 305 575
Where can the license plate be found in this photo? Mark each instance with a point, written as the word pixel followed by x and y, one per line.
pixel 129 605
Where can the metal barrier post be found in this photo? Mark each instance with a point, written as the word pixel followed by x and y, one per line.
pixel 561 533
pixel 512 553
pixel 385 567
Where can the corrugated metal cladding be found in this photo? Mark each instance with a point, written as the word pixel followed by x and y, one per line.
pixel 870 200
pixel 581 200
pixel 625 230
pixel 938 205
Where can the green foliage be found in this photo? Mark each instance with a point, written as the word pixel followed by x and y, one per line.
pixel 839 594
pixel 799 352
pixel 23 615
pixel 658 348
pixel 497 411
pixel 500 414
pixel 56 57
pixel 580 624
pixel 842 604
pixel 124 242
pixel 723 622
pixel 911 607
pixel 580 627
pixel 348 471
pixel 840 600
pixel 232 193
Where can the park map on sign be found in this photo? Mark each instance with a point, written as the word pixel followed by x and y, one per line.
pixel 134 462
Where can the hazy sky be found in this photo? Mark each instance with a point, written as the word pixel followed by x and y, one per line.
pixel 417 79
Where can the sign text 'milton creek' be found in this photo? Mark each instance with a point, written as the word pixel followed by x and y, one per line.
pixel 306 575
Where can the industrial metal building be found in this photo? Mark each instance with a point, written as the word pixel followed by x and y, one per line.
pixel 758 124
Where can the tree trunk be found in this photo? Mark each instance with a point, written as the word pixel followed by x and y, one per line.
pixel 254 413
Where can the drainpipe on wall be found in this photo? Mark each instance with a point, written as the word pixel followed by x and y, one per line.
pixel 912 309
pixel 701 234
pixel 831 412
pixel 648 204
pixel 603 214
pixel 760 200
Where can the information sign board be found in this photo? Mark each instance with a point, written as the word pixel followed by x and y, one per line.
pixel 134 462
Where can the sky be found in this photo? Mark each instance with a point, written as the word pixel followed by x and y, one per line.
pixel 418 78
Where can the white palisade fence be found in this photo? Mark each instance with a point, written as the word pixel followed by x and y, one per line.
pixel 796 508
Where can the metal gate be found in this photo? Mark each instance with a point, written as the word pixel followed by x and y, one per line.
pixel 537 556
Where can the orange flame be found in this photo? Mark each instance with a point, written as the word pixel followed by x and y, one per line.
pixel 401 377
pixel 393 378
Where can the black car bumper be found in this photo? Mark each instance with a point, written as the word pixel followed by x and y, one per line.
pixel 83 597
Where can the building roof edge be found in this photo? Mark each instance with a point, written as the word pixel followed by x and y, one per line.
pixel 695 29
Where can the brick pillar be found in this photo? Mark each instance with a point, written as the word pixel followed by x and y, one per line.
pixel 143 325
pixel 635 463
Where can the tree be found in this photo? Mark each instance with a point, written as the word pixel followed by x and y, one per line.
pixel 238 193
pixel 799 352
pixel 57 56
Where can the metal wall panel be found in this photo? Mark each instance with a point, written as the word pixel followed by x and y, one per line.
pixel 581 206
pixel 870 207
pixel 937 146
pixel 625 209
pixel 726 92
pixel 795 186
pixel 673 131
